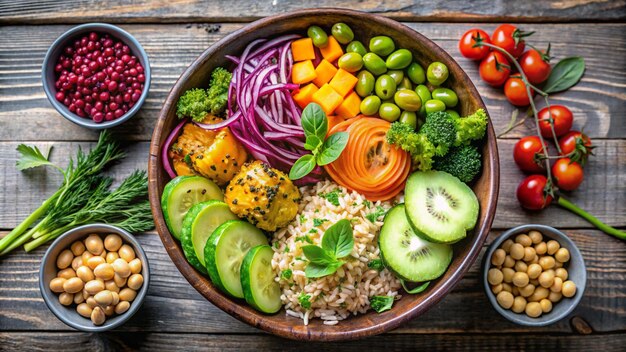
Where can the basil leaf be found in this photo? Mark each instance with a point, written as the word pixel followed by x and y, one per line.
pixel 312 142
pixel 314 121
pixel 332 148
pixel 317 255
pixel 381 303
pixel 338 239
pixel 315 270
pixel 302 167
pixel 565 75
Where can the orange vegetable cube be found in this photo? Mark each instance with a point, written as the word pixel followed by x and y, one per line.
pixel 332 51
pixel 305 95
pixel 334 120
pixel 327 98
pixel 325 72
pixel 350 107
pixel 302 49
pixel 343 82
pixel 303 72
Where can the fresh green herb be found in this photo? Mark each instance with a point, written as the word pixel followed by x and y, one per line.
pixel 323 150
pixel 304 238
pixel 376 264
pixel 276 245
pixel 332 197
pixel 373 217
pixel 302 219
pixel 381 303
pixel 318 222
pixel 367 203
pixel 337 243
pixel 313 231
pixel 304 300
pixel 197 103
pixel 32 157
pixel 286 274
pixel 565 75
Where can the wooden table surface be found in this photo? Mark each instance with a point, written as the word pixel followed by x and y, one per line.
pixel 174 316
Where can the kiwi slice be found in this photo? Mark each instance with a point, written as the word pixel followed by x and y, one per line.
pixel 406 254
pixel 440 207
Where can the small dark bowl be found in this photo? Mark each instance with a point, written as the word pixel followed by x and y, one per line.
pixel 48 75
pixel 575 268
pixel 68 314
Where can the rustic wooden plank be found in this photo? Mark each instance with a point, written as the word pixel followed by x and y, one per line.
pixel 598 102
pixel 172 305
pixel 603 192
pixel 72 11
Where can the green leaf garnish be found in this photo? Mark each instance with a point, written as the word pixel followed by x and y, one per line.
pixel 302 167
pixel 381 303
pixel 32 157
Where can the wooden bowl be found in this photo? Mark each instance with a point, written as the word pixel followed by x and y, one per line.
pixel 364 26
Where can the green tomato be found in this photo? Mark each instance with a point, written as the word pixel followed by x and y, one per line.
pixel 437 73
pixel 374 64
pixel 385 87
pixel 399 59
pixel 350 62
pixel 410 118
pixel 319 36
pixel 382 45
pixel 356 46
pixel 397 75
pixel 434 105
pixel 365 84
pixel 342 32
pixel 448 96
pixel 416 73
pixel 389 112
pixel 370 105
pixel 407 100
pixel 453 113
pixel 424 94
pixel 405 84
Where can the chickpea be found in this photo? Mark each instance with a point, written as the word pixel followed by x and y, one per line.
pixel 515 291
pixel 506 245
pixel 496 289
pixel 557 285
pixel 94 286
pixel 104 271
pixel 507 275
pixel 126 252
pixel 555 296
pixel 64 259
pixel 562 273
pixel 103 255
pixel 534 270
pixel 541 248
pixel 519 304
pixel 116 298
pixel 546 279
pixel 535 236
pixel 97 316
pixel 136 280
pixel 66 298
pixel 127 294
pixel 562 255
pixel 94 261
pixel 517 251
pixel 507 287
pixel 122 307
pixel 529 254
pixel 520 279
pixel 77 263
pixel 553 246
pixel 494 276
pixel 546 262
pixel 121 267
pixel 546 305
pixel 119 281
pixel 85 293
pixel 112 242
pixel 568 289
pixel 84 310
pixel 521 266
pixel 558 265
pixel 527 290
pixel 535 260
pixel 135 266
pixel 539 294
pixel 508 262
pixel 91 302
pixel 533 309
pixel 94 244
pixel 524 240
pixel 534 282
pixel 86 255
pixel 79 298
pixel 111 286
pixel 73 285
pixel 85 274
pixel 497 258
pixel 505 299
pixel 111 256
pixel 109 310
pixel 103 298
pixel 66 273
pixel 77 248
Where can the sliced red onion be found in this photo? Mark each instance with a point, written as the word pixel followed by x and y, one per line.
pixel 167 165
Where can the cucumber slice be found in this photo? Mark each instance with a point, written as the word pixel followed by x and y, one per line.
pixel 224 253
pixel 199 223
pixel 183 192
pixel 257 280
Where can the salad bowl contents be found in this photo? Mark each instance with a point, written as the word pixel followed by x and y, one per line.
pixel 323 178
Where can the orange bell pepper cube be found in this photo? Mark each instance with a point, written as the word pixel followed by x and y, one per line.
pixel 350 107
pixel 325 72
pixel 332 51
pixel 302 49
pixel 303 72
pixel 334 120
pixel 328 99
pixel 305 95
pixel 343 82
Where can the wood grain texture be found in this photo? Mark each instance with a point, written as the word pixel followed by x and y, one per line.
pixel 598 101
pixel 119 11
pixel 172 305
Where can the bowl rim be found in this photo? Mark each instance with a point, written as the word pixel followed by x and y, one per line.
pixel 551 232
pixel 121 35
pixel 98 228
pixel 259 320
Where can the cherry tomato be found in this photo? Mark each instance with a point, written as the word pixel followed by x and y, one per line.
pixel 494 69
pixel 469 39
pixel 510 38
pixel 528 153
pixel 562 120
pixel 577 146
pixel 568 174
pixel 536 66
pixel 531 192
pixel 515 91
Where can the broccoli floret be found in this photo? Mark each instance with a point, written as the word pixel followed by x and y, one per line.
pixel 194 104
pixel 470 128
pixel 463 162
pixel 197 103
pixel 440 130
pixel 218 90
pixel 421 149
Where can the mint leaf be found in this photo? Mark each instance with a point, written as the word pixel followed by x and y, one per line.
pixel 315 270
pixel 302 167
pixel 338 239
pixel 32 157
pixel 314 121
pixel 381 303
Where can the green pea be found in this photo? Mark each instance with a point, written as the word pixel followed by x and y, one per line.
pixel 365 84
pixel 424 94
pixel 374 64
pixel 319 36
pixel 350 62
pixel 356 46
pixel 389 112
pixel 342 32
pixel 437 73
pixel 448 96
pixel 434 105
pixel 399 59
pixel 405 84
pixel 416 73
pixel 453 113
pixel 397 75
pixel 385 87
pixel 409 117
pixel 407 100
pixel 382 45
pixel 370 105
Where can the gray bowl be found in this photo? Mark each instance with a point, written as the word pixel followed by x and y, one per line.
pixel 48 76
pixel 575 268
pixel 68 314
